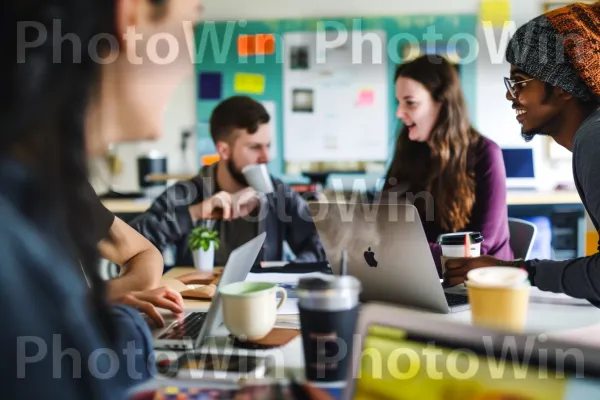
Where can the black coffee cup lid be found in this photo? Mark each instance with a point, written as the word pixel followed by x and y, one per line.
pixel 458 238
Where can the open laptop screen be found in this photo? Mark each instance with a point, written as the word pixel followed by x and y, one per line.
pixel 397 365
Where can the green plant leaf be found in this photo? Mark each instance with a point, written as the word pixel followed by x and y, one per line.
pixel 201 237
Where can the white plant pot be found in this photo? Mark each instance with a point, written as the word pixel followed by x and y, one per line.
pixel 205 260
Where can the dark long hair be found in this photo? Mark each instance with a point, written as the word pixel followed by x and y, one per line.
pixel 43 106
pixel 441 166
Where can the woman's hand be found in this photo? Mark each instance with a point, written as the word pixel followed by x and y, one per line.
pixel 147 302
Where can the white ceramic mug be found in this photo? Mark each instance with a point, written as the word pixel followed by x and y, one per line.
pixel 258 178
pixel 250 308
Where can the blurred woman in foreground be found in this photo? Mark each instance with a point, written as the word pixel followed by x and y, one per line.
pixel 77 85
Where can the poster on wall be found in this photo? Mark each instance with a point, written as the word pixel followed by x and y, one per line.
pixel 336 101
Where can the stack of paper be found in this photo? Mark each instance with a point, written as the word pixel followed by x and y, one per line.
pixel 538 296
pixel 587 336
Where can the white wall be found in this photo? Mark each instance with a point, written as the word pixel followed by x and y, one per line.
pixel 494 116
pixel 265 9
pixel 180 115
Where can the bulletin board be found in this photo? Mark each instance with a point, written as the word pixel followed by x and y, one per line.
pixel 335 110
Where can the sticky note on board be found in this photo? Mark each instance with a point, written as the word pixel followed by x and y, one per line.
pixel 246 45
pixel 249 83
pixel 210 85
pixel 495 12
pixel 366 98
pixel 251 45
pixel 265 44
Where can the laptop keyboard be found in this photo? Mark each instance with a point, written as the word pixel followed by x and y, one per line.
pixel 189 327
pixel 456 299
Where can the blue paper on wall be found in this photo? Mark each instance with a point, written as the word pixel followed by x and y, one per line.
pixel 210 85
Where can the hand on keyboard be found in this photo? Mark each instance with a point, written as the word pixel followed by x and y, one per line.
pixel 147 301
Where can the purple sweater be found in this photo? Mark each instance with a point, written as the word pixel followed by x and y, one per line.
pixel 490 213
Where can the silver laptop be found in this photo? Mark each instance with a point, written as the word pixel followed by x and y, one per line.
pixel 404 354
pixel 191 331
pixel 385 247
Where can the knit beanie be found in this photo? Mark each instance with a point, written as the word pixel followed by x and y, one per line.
pixel 562 48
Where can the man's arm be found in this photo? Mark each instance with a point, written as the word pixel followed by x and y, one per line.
pixel 141 263
pixel 300 231
pixel 579 277
pixel 168 219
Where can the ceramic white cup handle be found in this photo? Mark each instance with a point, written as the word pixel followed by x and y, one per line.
pixel 283 296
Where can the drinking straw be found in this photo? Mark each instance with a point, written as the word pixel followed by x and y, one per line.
pixel 467 245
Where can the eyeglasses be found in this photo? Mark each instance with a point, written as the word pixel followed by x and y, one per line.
pixel 511 85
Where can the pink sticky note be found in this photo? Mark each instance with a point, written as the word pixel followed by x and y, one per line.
pixel 366 97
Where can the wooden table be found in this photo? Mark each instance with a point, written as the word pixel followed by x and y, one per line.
pixel 534 197
pixel 169 279
pixel 127 206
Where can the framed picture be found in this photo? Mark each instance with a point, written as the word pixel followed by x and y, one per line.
pixel 554 4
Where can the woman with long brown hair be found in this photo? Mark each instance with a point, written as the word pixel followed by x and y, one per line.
pixel 453 175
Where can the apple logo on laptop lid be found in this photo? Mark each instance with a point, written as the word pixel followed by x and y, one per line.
pixel 370 258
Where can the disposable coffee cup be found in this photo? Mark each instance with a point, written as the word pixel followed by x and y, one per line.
pixel 453 244
pixel 328 313
pixel 258 178
pixel 499 297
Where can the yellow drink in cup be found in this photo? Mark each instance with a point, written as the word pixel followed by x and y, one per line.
pixel 499 297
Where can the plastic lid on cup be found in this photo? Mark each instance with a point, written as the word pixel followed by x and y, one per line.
pixel 328 292
pixel 329 283
pixel 497 277
pixel 458 238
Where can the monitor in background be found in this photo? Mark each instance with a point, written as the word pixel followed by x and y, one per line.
pixel 520 168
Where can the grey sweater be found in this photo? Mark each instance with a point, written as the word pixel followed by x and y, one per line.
pixel 579 277
pixel 284 216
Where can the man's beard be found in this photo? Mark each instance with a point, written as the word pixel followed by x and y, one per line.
pixel 530 134
pixel 236 174
pixel 546 128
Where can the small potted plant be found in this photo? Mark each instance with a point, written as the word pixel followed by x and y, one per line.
pixel 203 242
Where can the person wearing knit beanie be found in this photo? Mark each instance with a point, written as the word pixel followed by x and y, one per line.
pixel 561 48
pixel 561 51
pixel 554 87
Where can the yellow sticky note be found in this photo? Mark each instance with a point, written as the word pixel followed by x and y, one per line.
pixel 249 83
pixel 171 390
pixel 495 12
